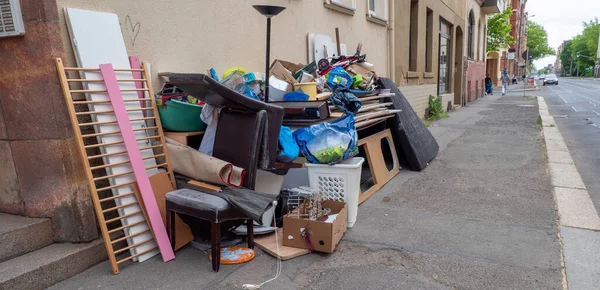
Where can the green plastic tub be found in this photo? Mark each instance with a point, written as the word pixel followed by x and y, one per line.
pixel 181 117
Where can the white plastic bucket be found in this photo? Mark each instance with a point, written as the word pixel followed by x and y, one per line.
pixel 339 182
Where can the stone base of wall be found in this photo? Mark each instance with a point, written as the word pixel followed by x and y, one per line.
pixel 418 97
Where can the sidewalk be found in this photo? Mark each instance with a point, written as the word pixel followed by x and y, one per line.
pixel 481 216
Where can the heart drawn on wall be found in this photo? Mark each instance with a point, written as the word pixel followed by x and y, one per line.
pixel 132 29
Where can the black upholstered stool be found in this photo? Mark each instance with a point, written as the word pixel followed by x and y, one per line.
pixel 206 207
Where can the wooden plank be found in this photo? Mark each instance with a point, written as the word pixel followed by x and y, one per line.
pixel 370 107
pixel 137 162
pixel 363 124
pixel 269 245
pixel 161 185
pixel 374 152
pixel 205 185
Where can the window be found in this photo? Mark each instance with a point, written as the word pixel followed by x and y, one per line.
pixel 343 6
pixel 414 35
pixel 470 35
pixel 444 58
pixel 429 41
pixel 378 9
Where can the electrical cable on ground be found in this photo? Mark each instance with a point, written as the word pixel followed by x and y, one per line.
pixel 278 267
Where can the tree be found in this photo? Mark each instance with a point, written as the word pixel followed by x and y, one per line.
pixel 566 57
pixel 537 41
pixel 499 29
pixel 586 46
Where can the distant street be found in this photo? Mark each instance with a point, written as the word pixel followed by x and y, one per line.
pixel 575 105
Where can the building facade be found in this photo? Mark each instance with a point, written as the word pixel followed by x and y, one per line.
pixel 429 42
pixel 476 40
pixel 421 44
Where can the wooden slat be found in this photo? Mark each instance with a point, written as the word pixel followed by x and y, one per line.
pixel 126 226
pixel 119 206
pixel 123 216
pixel 132 246
pixel 107 102
pixel 130 236
pixel 104 91
pixel 157 166
pixel 121 152
pixel 112 176
pixel 116 132
pixel 114 186
pixel 109 112
pixel 136 255
pixel 114 122
pixel 103 144
pixel 124 162
pixel 101 81
pixel 98 69
pixel 116 196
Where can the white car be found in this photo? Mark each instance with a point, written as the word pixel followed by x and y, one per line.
pixel 551 79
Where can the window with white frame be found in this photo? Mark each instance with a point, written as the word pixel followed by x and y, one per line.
pixel 350 4
pixel 378 9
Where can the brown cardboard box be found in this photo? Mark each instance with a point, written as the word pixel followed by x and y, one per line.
pixel 284 70
pixel 323 236
pixel 366 74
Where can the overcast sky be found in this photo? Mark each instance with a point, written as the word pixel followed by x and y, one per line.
pixel 562 20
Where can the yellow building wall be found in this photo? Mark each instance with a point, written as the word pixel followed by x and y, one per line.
pixel 195 35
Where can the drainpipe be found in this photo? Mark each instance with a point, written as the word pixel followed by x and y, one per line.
pixel 391 42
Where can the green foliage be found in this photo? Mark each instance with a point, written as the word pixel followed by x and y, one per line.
pixel 537 41
pixel 584 44
pixel 499 29
pixel 436 110
pixel 426 123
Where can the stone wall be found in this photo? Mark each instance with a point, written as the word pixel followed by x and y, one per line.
pixel 418 97
pixel 41 173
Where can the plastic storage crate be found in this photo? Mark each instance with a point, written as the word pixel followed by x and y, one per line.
pixel 340 182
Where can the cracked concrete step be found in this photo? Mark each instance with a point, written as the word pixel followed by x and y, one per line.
pixel 20 235
pixel 49 265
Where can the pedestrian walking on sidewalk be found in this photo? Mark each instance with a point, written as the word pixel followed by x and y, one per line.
pixel 505 81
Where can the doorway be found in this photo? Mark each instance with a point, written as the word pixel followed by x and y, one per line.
pixel 458 67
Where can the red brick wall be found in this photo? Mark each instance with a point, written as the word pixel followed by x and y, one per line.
pixel 476 79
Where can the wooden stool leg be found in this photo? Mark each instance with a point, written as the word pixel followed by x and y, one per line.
pixel 171 227
pixel 250 236
pixel 215 232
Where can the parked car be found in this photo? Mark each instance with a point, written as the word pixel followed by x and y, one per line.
pixel 542 77
pixel 551 79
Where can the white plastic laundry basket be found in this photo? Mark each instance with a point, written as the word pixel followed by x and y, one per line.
pixel 339 182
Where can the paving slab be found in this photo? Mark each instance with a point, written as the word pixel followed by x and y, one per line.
pixel 576 209
pixel 582 258
pixel 548 121
pixel 565 175
pixel 560 157
pixel 552 133
pixel 556 144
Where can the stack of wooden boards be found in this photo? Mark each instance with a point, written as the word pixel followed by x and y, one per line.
pixel 375 109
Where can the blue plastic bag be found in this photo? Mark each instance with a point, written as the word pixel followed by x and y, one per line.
pixel 289 148
pixel 338 76
pixel 328 143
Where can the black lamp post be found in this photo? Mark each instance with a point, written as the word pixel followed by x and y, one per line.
pixel 268 11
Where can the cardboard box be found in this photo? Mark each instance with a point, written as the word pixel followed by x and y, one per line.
pixel 366 74
pixel 284 70
pixel 324 236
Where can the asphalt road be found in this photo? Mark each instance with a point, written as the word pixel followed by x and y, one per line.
pixel 575 106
